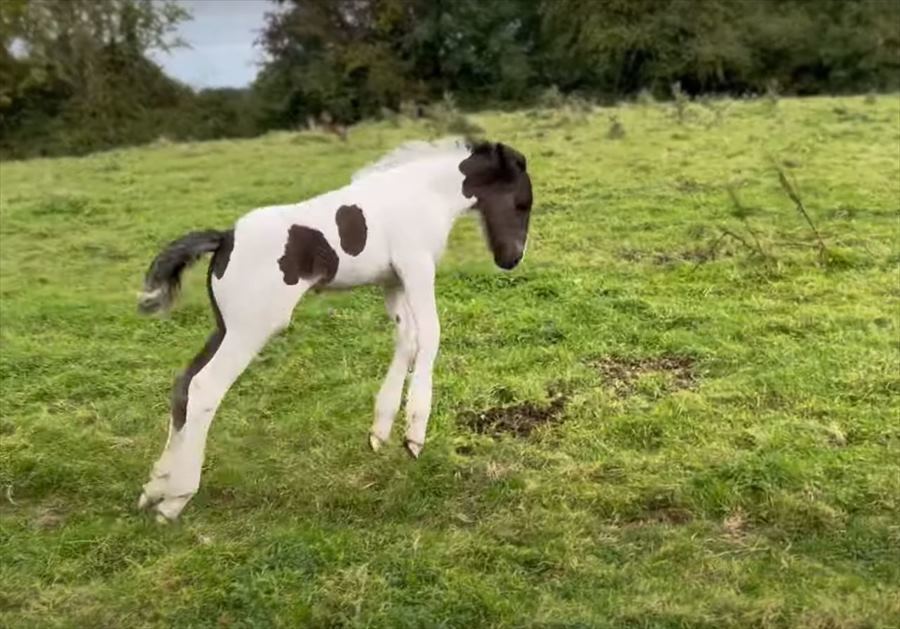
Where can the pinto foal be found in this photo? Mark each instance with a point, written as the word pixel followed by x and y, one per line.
pixel 389 226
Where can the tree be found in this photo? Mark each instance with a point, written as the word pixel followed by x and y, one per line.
pixel 334 55
pixel 619 46
pixel 354 57
pixel 79 70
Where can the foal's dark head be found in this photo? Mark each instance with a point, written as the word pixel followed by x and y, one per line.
pixel 495 175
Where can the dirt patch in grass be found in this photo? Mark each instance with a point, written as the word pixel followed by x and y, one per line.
pixel 660 509
pixel 674 516
pixel 518 420
pixel 621 374
pixel 51 517
pixel 735 524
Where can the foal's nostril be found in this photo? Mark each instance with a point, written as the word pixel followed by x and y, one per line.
pixel 509 262
pixel 509 256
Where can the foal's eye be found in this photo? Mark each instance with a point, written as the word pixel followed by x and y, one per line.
pixel 523 206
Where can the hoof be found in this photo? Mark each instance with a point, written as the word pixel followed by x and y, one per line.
pixel 164 498
pixel 374 442
pixel 145 501
pixel 414 449
pixel 170 508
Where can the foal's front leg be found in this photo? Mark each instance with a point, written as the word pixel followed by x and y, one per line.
pixel 418 281
pixel 391 393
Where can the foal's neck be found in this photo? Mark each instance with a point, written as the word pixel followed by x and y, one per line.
pixel 443 178
pixel 429 186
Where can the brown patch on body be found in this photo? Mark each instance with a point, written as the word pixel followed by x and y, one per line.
pixel 223 254
pixel 518 420
pixel 621 374
pixel 307 255
pixel 179 400
pixel 351 224
pixel 217 267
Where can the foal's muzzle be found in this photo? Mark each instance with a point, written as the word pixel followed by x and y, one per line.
pixel 509 258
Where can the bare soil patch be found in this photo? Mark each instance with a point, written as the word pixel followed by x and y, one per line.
pixel 674 516
pixel 622 373
pixel 518 420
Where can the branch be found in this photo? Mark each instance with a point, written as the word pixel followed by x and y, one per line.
pixel 791 191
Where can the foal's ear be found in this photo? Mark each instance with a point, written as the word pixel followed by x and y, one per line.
pixel 489 165
pixel 481 168
pixel 511 156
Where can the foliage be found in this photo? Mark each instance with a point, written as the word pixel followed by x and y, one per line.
pixel 727 454
pixel 355 57
pixel 808 46
pixel 81 80
pixel 333 55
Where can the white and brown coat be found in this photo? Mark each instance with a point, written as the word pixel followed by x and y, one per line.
pixel 389 227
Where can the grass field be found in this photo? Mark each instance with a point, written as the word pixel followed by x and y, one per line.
pixel 679 411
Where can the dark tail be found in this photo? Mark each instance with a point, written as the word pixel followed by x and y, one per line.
pixel 163 278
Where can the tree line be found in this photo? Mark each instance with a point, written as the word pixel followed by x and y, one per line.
pixel 75 74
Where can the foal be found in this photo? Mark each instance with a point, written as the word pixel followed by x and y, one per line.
pixel 389 226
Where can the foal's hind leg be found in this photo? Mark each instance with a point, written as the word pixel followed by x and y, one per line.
pixel 248 325
pixel 176 476
pixel 387 403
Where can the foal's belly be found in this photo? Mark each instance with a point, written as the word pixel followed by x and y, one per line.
pixel 361 270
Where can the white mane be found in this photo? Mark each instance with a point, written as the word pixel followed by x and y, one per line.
pixel 413 151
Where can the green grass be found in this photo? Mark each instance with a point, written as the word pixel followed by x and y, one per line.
pixel 758 488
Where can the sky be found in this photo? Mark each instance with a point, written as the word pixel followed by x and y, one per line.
pixel 221 37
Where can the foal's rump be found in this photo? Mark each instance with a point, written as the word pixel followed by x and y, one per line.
pixel 243 271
